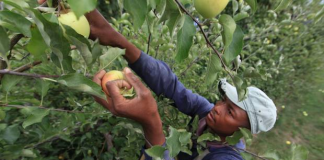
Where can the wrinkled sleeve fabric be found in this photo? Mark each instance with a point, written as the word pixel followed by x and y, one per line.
pixel 162 81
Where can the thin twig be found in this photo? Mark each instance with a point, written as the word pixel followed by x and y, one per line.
pixel 27 66
pixel 109 140
pixel 102 148
pixel 5 71
pixel 148 43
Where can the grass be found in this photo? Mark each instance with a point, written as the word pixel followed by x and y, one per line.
pixel 292 125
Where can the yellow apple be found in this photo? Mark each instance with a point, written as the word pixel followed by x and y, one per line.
pixel 210 8
pixel 115 75
pixel 80 25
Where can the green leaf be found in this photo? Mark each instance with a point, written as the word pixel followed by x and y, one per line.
pixel 235 138
pixel 19 4
pixel 9 26
pixel 240 87
pixel 214 67
pixel 195 123
pixel 2 115
pixel 172 15
pixel 4 43
pixel 246 156
pixel 70 32
pixel 229 26
pixel 153 3
pixel 173 21
pixel 236 46
pixel 3 126
pixel 66 64
pixel 82 83
pixel 28 153
pixel 22 24
pixel 283 5
pixel 44 86
pixel 299 152
pixel 84 50
pixel 37 46
pixel 8 81
pixel 240 16
pixel 252 4
pixel 270 155
pixel 35 116
pixel 11 134
pixel 247 136
pixel 138 10
pixel 185 38
pixel 156 151
pixel 235 6
pixel 173 143
pixel 53 36
pixel 319 15
pixel 185 138
pixel 110 56
pixel 80 7
pixel 208 137
pixel 96 51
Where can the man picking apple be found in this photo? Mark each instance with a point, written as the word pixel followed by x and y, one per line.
pixel 257 112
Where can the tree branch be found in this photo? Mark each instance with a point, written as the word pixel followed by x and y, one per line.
pixel 5 71
pixel 27 66
pixel 1 6
pixel 148 43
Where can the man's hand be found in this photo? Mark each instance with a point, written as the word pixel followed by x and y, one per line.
pixel 142 108
pixel 102 30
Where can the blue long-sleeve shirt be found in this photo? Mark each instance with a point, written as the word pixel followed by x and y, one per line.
pixel 161 80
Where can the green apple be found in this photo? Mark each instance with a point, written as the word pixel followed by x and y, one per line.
pixel 80 25
pixel 210 8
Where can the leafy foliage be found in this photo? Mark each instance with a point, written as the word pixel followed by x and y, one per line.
pixel 270 44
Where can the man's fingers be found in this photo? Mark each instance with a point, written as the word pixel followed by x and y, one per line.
pixel 134 81
pixel 114 87
pixel 97 78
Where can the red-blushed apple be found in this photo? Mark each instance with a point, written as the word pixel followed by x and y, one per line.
pixel 115 75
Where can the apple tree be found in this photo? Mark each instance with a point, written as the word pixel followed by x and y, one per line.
pixel 47 110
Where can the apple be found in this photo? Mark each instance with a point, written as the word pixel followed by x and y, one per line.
pixel 80 25
pixel 210 8
pixel 115 75
pixel 40 1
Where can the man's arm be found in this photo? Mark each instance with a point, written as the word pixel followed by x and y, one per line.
pixel 108 36
pixel 156 74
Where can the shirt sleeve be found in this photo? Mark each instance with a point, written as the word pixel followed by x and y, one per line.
pixel 162 81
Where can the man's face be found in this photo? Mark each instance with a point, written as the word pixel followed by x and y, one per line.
pixel 226 118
